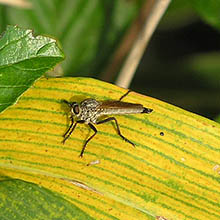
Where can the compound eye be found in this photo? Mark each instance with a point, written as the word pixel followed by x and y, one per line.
pixel 76 109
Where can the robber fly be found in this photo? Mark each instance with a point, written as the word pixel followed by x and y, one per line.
pixel 90 110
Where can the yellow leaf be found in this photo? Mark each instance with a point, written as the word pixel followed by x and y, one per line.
pixel 173 172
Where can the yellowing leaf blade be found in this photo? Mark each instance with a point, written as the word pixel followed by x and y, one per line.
pixel 172 172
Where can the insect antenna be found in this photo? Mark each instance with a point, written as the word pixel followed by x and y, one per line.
pixel 66 102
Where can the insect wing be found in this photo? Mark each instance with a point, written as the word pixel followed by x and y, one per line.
pixel 119 105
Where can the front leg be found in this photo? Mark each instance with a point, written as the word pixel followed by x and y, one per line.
pixel 71 129
pixel 84 146
pixel 117 126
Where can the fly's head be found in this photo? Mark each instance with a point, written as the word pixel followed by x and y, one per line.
pixel 74 108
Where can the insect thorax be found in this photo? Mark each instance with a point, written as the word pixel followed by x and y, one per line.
pixel 89 111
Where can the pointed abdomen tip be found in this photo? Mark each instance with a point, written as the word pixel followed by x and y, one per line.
pixel 147 110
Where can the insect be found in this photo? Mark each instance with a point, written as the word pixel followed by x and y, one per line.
pixel 89 112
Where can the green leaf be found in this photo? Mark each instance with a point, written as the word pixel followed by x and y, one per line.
pixel 25 201
pixel 218 119
pixel 172 172
pixel 179 14
pixel 206 67
pixel 23 59
pixel 88 30
pixel 208 10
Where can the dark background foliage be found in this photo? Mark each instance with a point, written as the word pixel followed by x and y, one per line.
pixel 181 64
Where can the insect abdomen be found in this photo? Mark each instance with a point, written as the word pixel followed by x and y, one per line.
pixel 122 111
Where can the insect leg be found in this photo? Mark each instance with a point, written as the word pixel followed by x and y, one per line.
pixel 145 110
pixel 72 122
pixel 71 129
pixel 84 146
pixel 125 95
pixel 117 126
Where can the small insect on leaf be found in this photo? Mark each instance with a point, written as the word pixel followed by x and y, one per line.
pixel 89 112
